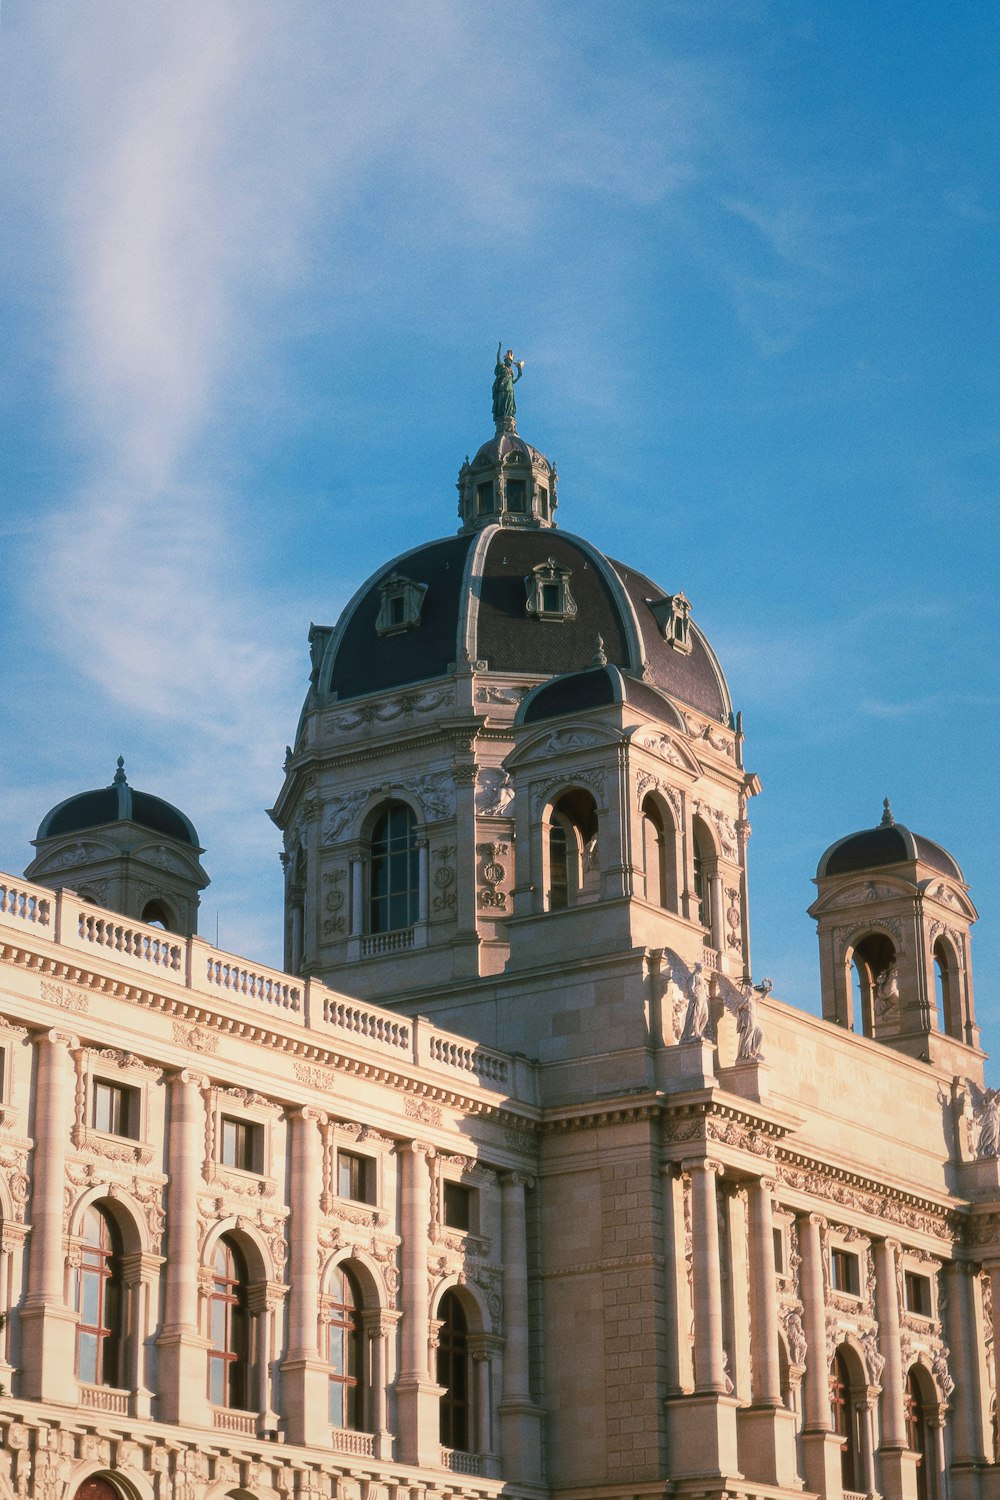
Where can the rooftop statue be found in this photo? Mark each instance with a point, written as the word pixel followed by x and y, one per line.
pixel 508 371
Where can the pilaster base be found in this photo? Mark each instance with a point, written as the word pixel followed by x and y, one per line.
pixel 521 1428
pixel 767 1446
pixel 306 1387
pixel 970 1480
pixel 182 1379
pixel 688 1065
pixel 821 1455
pixel 418 1404
pixel 897 1469
pixel 702 1437
pixel 48 1364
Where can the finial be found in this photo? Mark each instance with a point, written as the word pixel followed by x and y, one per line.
pixel 508 371
pixel 120 777
pixel 887 818
pixel 600 660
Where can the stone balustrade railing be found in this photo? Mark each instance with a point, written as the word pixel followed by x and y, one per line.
pixel 78 930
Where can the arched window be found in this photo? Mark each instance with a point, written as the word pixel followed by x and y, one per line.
pixel 394 872
pixel 918 1433
pixel 703 858
pixel 345 1352
pixel 96 1488
pixel 658 856
pixel 572 851
pixel 453 1373
pixel 845 1422
pixel 875 984
pixel 158 914
pixel 948 991
pixel 98 1297
pixel 229 1329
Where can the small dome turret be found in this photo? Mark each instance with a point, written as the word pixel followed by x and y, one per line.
pixel 126 850
pixel 888 843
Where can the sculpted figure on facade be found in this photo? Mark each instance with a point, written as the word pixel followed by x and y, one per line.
pixel 508 371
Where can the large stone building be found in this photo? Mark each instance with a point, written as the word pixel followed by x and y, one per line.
pixel 512 1181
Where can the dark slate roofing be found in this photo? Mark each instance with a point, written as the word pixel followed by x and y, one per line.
pixel 889 844
pixel 695 678
pixel 511 641
pixel 504 444
pixel 118 803
pixel 594 688
pixel 572 694
pixel 365 662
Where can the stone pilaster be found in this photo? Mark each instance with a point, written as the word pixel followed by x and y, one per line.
pixel 48 1325
pixel 766 1428
pixel 820 1445
pixel 897 1463
pixel 305 1377
pixel 520 1418
pixel 417 1393
pixel 701 1428
pixel 182 1348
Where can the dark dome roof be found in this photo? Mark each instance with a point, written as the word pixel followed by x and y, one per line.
pixel 889 844
pixel 599 685
pixel 503 445
pixel 118 803
pixel 474 607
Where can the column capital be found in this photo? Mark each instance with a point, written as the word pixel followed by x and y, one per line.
pixel 703 1164
pixel 308 1113
pixel 892 1246
pixel 765 1184
pixel 516 1179
pixel 817 1220
pixel 417 1148
pixel 188 1075
pixel 57 1038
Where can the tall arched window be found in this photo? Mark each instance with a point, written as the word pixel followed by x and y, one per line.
pixel 158 914
pixel 703 856
pixel 99 1296
pixel 918 1434
pixel 229 1329
pixel 845 1422
pixel 659 855
pixel 453 1373
pixel 394 876
pixel 947 986
pixel 345 1352
pixel 572 852
pixel 874 961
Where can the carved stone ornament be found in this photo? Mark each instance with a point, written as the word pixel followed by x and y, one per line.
pixel 65 996
pixel 443 880
pixel 494 793
pixel 195 1037
pixel 423 1110
pixel 594 779
pixel 340 812
pixel 666 749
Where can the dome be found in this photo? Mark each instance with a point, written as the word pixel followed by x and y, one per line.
pixel 890 843
pixel 594 688
pixel 469 598
pixel 117 803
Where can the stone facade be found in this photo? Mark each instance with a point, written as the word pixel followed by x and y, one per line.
pixel 514 1180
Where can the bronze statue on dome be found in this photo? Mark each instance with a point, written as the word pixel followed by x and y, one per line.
pixel 508 371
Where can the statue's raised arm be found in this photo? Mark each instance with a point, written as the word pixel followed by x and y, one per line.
pixel 504 406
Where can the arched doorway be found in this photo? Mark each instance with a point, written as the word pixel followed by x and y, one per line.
pixel 97 1488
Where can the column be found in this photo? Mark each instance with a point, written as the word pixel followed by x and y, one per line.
pixel 182 1349
pixel 709 1363
pixel 48 1326
pixel 766 1366
pixel 767 1428
pixel 139 1272
pixel 423 880
pixel 965 1337
pixel 520 1418
pixel 887 1312
pixel 378 1325
pixel 678 1371
pixel 701 1427
pixel 305 1378
pixel 821 1446
pixel 264 1303
pixel 481 1396
pixel 418 1395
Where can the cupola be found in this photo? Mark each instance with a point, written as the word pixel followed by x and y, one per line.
pixel 894 921
pixel 125 850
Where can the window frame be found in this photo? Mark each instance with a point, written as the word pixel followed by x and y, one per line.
pixel 250 1138
pixel 368 1169
pixel 391 854
pixel 232 1359
pixel 129 1111
pixel 850 1262
pixel 912 1280
pixel 100 1267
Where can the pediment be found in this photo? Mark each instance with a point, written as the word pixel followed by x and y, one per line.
pixel 855 894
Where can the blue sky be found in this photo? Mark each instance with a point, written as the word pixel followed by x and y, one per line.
pixel 257 258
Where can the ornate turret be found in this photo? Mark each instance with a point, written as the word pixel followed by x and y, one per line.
pixel 126 850
pixel 508 483
pixel 894 920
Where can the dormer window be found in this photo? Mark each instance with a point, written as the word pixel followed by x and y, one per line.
pixel 484 498
pixel 549 597
pixel 517 496
pixel 402 601
pixel 672 614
